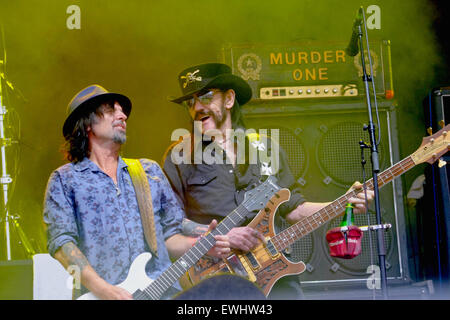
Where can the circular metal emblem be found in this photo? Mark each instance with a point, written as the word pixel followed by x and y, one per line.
pixel 249 65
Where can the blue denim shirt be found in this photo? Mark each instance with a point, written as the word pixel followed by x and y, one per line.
pixel 83 205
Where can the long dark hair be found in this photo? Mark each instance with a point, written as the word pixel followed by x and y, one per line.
pixel 76 146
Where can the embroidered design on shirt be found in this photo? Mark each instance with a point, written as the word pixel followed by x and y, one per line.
pixel 266 170
pixel 259 145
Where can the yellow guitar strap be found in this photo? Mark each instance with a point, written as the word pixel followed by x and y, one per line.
pixel 144 199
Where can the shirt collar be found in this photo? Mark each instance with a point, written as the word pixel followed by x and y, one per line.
pixel 86 164
pixel 122 164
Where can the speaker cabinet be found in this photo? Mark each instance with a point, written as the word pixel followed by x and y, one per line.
pixel 433 221
pixel 321 140
pixel 433 217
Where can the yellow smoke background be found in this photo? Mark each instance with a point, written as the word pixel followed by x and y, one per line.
pixel 138 48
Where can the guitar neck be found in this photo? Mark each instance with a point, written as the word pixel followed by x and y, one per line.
pixel 158 287
pixel 308 224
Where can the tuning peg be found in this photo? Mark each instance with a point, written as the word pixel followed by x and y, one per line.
pixel 430 131
pixel 441 123
pixel 441 163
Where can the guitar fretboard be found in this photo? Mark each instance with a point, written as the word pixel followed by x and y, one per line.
pixel 308 224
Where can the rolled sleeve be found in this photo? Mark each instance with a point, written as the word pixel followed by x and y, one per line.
pixel 58 215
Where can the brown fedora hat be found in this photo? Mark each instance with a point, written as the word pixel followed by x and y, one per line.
pixel 212 75
pixel 89 98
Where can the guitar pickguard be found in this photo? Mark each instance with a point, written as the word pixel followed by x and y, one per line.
pixel 268 273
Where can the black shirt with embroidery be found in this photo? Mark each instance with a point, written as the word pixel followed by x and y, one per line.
pixel 212 191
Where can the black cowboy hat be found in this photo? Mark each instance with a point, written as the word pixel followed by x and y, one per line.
pixel 89 98
pixel 212 75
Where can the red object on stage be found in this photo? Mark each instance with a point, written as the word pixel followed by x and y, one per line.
pixel 344 242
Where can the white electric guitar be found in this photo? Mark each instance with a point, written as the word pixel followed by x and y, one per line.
pixel 144 288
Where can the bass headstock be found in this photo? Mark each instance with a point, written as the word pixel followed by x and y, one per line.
pixel 433 147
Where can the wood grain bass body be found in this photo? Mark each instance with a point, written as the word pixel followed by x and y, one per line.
pixel 264 265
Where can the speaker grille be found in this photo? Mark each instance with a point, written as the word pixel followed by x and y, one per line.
pixel 295 151
pixel 338 153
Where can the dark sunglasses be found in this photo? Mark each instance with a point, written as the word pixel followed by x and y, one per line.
pixel 204 98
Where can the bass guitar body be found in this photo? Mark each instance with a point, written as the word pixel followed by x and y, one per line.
pixel 136 280
pixel 264 265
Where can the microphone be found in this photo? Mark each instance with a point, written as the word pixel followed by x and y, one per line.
pixel 352 48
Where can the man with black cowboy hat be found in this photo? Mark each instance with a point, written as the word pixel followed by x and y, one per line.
pixel 92 208
pixel 214 97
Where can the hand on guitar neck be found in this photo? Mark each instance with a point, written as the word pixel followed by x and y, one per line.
pixel 222 247
pixel 359 201
pixel 307 209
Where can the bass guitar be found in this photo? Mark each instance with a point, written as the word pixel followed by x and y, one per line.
pixel 265 264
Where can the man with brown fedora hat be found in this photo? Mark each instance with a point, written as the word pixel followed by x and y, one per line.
pixel 209 190
pixel 92 205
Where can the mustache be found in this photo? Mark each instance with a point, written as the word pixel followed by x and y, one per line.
pixel 200 115
pixel 119 123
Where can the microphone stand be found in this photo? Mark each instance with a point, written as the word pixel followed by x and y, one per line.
pixel 375 166
pixel 5 179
